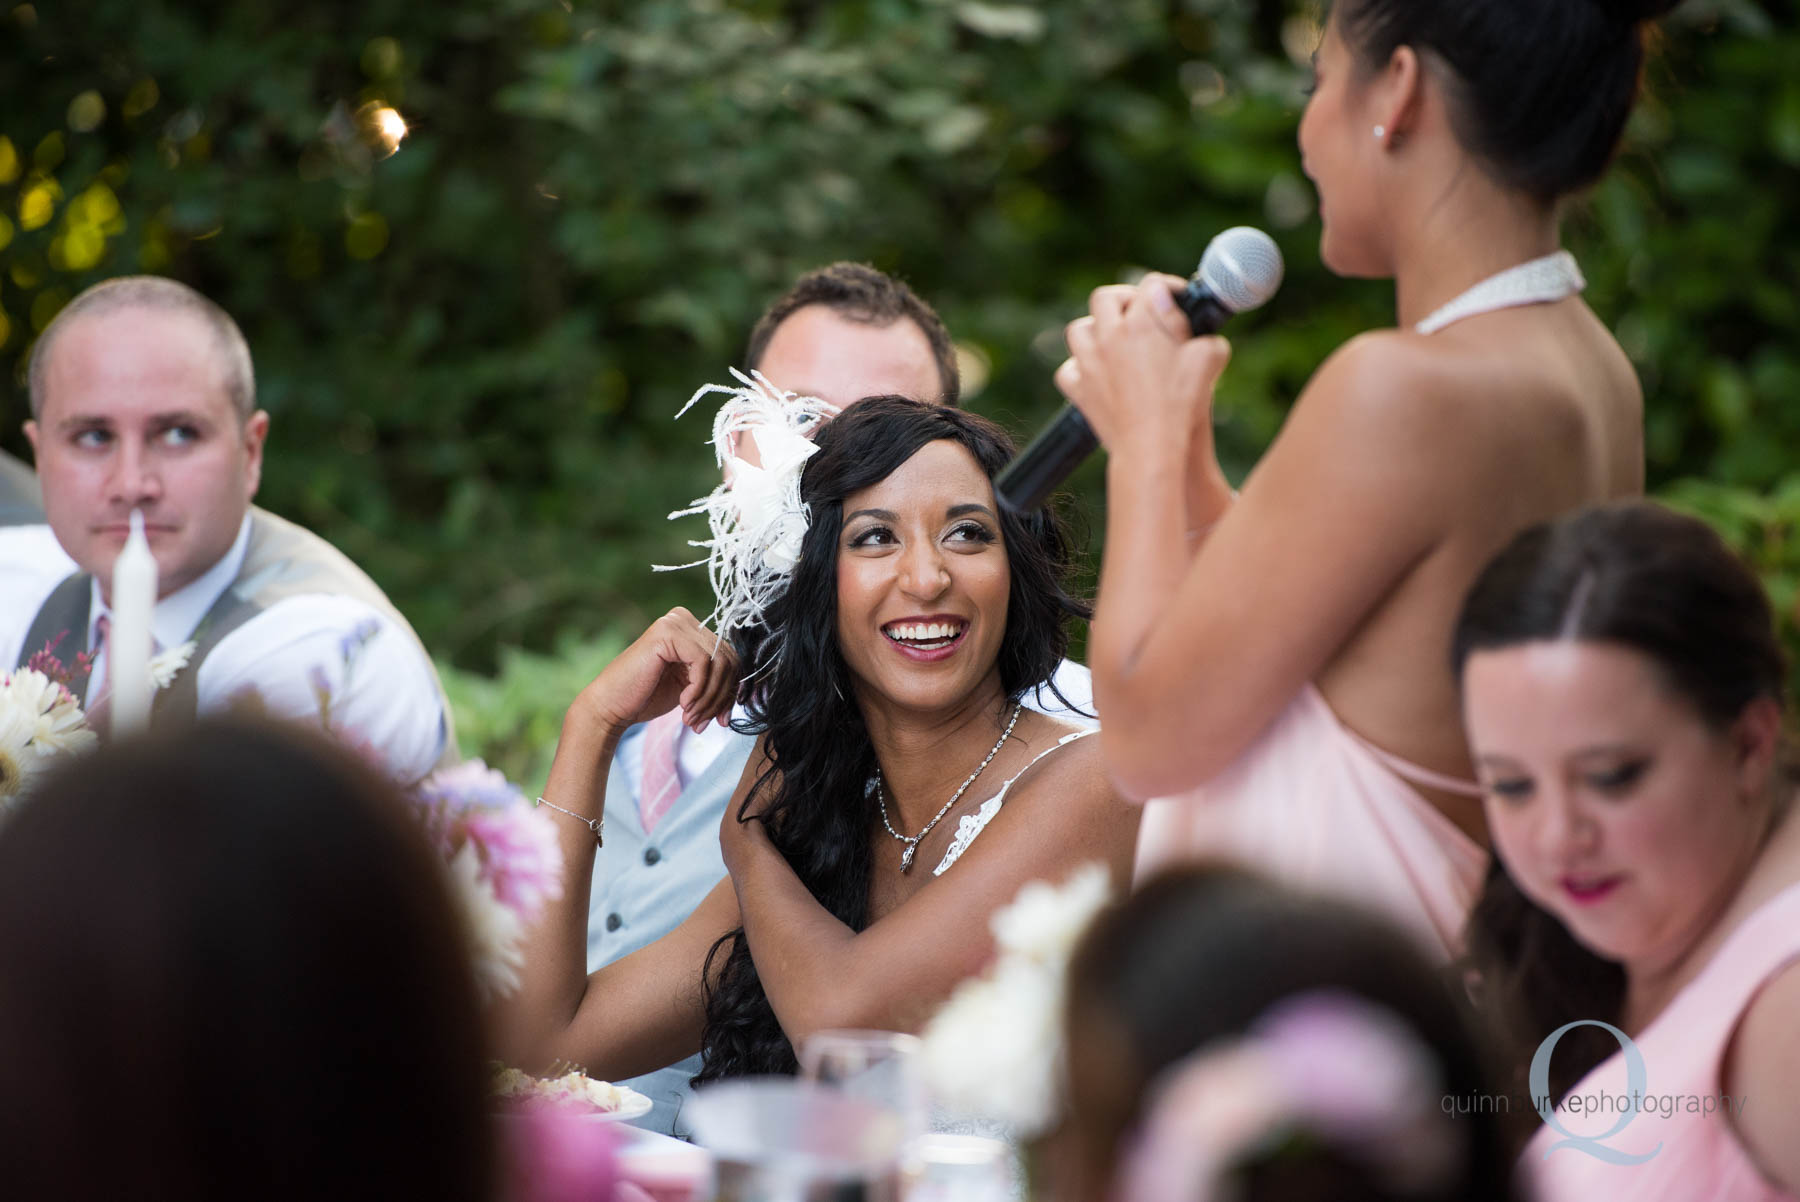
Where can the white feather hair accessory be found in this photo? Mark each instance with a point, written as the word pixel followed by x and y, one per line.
pixel 757 518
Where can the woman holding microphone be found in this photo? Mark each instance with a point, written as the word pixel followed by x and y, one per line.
pixel 1273 666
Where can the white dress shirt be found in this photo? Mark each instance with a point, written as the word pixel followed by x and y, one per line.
pixel 380 687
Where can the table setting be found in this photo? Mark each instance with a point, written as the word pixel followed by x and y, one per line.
pixel 856 1125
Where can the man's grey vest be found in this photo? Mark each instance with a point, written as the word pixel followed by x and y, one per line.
pixel 282 561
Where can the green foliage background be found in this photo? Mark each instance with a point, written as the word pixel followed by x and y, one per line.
pixel 472 348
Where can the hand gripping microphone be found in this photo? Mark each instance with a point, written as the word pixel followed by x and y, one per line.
pixel 1240 270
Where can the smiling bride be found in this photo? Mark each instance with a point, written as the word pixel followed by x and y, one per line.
pixel 899 792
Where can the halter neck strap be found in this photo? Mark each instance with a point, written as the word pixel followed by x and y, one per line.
pixel 1551 278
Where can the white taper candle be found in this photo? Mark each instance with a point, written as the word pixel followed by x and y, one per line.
pixel 128 646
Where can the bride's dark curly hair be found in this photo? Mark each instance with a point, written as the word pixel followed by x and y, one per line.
pixel 798 694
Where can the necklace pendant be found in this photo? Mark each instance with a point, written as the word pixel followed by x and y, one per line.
pixel 912 841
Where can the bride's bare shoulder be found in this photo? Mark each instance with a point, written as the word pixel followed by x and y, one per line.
pixel 1072 767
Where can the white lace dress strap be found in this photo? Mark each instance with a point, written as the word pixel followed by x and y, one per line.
pixel 973 824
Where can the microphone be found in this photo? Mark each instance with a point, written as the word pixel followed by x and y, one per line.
pixel 1240 270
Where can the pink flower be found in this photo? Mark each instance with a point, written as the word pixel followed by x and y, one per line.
pixel 1332 1064
pixel 553 1155
pixel 470 783
pixel 473 805
pixel 520 857
pixel 504 860
pixel 1355 1064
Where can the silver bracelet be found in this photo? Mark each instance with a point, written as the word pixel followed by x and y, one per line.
pixel 597 825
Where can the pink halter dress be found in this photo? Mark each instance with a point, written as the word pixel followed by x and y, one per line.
pixel 1680 1121
pixel 1314 805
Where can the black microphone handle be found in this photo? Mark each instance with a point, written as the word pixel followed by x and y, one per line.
pixel 1204 312
pixel 1027 482
pixel 1029 479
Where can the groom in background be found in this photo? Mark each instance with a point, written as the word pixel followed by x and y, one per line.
pixel 841 333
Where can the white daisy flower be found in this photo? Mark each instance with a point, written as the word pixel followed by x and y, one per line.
pixel 63 728
pixel 1044 921
pixel 995 1050
pixel 31 691
pixel 56 722
pixel 20 764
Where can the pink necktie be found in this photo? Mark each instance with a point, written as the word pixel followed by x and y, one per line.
pixel 98 715
pixel 662 771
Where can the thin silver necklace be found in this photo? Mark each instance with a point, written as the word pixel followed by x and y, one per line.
pixel 1551 278
pixel 912 841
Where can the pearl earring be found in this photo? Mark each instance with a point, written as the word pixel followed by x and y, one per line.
pixel 1380 132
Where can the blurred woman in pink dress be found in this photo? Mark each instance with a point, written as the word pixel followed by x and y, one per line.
pixel 1622 687
pixel 1273 665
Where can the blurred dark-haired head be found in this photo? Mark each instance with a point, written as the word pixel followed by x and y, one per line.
pixel 1193 961
pixel 233 970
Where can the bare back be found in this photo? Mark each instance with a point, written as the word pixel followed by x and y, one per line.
pixel 1541 414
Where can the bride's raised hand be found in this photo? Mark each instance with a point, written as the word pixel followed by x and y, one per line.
pixel 676 662
pixel 1134 369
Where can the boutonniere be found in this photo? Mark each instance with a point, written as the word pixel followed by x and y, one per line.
pixel 165 667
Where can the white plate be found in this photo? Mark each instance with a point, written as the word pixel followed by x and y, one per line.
pixel 632 1105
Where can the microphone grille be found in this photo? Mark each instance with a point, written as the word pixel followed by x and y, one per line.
pixel 1242 267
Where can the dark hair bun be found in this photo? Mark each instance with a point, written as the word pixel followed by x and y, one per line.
pixel 1544 86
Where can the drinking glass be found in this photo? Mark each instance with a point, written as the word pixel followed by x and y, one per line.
pixel 776 1139
pixel 881 1067
pixel 965 1168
